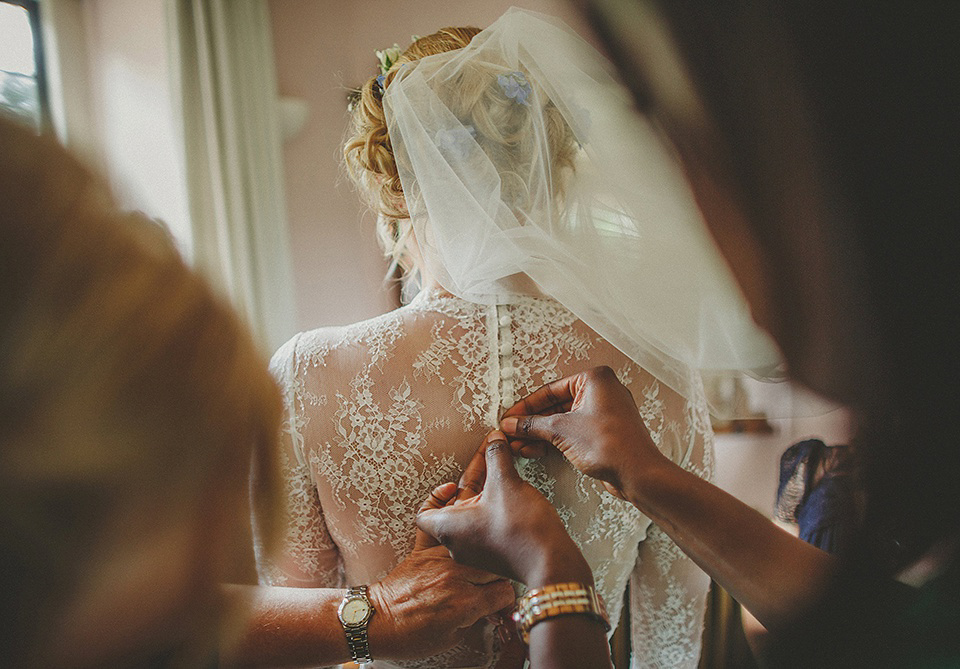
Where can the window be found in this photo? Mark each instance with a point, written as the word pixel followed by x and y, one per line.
pixel 23 93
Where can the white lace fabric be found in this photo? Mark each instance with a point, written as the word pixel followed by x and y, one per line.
pixel 381 412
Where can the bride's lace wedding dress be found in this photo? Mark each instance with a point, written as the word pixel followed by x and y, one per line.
pixel 380 412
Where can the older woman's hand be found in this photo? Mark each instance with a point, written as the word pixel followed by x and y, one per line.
pixel 502 524
pixel 592 419
pixel 422 607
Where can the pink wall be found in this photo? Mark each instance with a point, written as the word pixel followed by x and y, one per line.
pixel 322 48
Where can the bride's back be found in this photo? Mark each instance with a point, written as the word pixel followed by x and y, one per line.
pixel 381 412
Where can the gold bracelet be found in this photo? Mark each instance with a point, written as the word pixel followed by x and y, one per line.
pixel 560 599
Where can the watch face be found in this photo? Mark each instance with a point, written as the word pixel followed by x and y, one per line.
pixel 354 611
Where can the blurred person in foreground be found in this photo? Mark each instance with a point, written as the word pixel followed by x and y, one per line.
pixel 131 402
pixel 824 162
pixel 133 406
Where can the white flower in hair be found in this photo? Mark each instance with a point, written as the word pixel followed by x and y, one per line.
pixel 388 57
pixel 391 54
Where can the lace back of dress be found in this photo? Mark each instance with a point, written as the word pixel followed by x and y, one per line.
pixel 383 411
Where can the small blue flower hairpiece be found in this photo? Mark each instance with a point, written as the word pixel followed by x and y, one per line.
pixel 456 143
pixel 380 79
pixel 515 86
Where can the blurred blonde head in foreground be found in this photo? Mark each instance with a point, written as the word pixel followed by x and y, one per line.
pixel 131 402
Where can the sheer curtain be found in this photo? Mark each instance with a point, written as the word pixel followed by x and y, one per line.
pixel 225 96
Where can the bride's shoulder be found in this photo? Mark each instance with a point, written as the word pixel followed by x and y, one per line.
pixel 326 345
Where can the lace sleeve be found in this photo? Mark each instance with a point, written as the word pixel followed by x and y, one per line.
pixel 668 591
pixel 305 554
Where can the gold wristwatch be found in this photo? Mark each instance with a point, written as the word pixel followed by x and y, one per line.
pixel 354 613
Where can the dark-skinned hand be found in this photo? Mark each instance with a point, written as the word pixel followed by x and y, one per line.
pixel 425 604
pixel 593 420
pixel 502 524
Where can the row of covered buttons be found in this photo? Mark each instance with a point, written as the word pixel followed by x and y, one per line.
pixel 507 371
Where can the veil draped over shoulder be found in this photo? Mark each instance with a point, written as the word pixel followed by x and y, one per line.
pixel 521 154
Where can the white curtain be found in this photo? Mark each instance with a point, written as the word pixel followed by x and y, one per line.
pixel 225 95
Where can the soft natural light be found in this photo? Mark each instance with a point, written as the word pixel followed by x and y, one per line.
pixel 16 40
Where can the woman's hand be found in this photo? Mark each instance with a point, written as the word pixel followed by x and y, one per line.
pixel 502 524
pixel 592 419
pixel 422 608
pixel 425 603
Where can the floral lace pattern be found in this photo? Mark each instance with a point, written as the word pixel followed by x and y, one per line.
pixel 458 349
pixel 382 411
pixel 365 451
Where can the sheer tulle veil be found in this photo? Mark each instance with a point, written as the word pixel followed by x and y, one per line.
pixel 521 154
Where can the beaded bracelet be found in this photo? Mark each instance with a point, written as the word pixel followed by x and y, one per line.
pixel 560 599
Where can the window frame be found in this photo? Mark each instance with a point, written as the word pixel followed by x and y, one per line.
pixel 40 69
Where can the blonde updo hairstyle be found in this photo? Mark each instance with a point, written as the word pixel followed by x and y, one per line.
pixel 503 130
